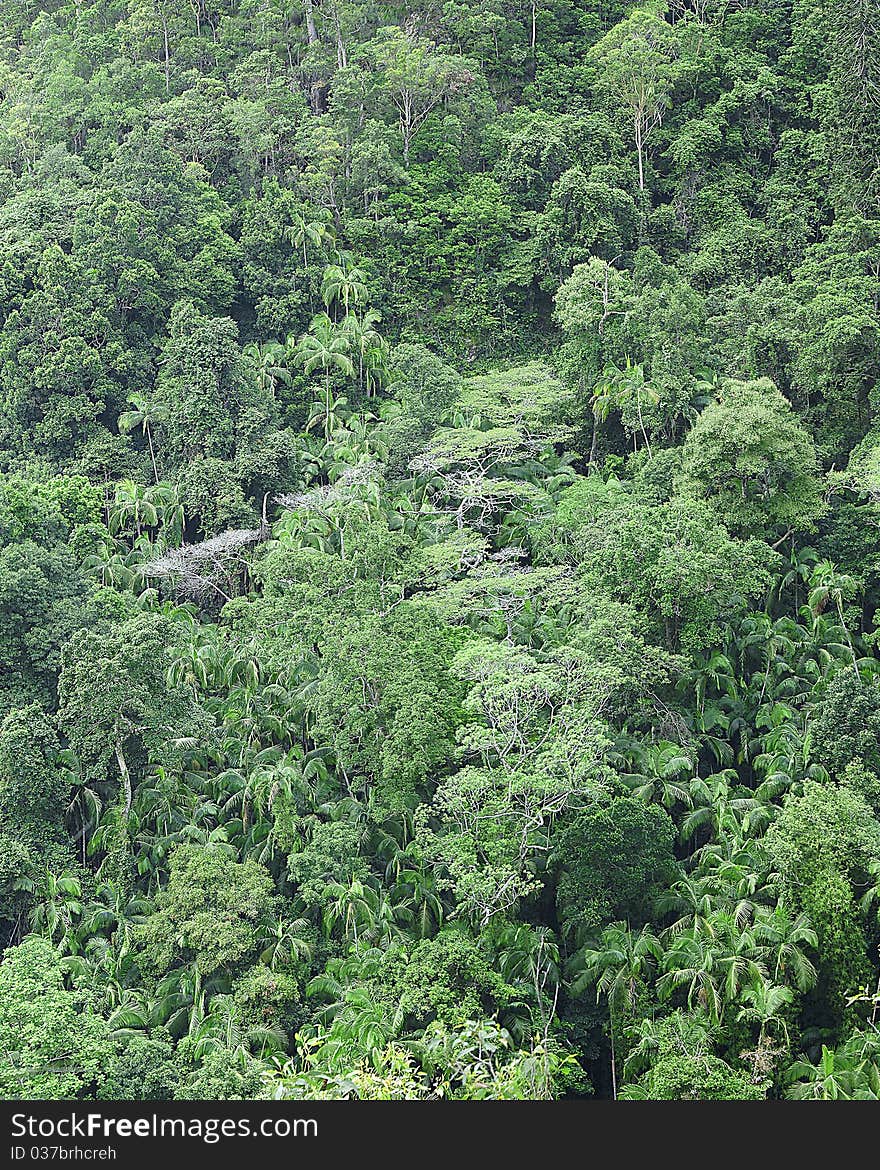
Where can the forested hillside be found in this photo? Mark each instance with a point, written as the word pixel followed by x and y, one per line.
pixel 439 552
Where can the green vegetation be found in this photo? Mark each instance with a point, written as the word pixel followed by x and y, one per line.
pixel 439 556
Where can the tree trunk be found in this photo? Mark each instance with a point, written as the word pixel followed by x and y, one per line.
pixel 311 31
pixel 126 777
pixel 167 55
pixel 341 55
pixel 152 452
pixel 316 94
pixel 642 421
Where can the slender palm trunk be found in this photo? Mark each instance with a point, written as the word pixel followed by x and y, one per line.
pixel 595 438
pixel 152 452
pixel 846 633
pixel 642 421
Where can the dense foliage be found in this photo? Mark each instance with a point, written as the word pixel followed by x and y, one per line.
pixel 439 492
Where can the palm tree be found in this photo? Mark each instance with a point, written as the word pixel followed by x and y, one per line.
pixel 133 504
pixel 58 912
pixel 165 498
pixel 416 891
pixel 797 575
pixel 369 346
pixel 694 898
pixel 782 938
pixel 721 808
pixel 361 1027
pixel 828 1080
pixel 763 1004
pixel 268 358
pixel 221 1030
pixel 715 668
pixel 618 389
pixel 529 956
pixel 182 999
pixel 353 906
pixel 164 804
pixel 110 565
pixel 344 282
pixel 144 415
pixel 284 942
pixel 112 912
pixel 695 961
pixel 619 966
pixel 735 868
pixel 106 967
pixel 664 769
pixel 716 957
pixel 304 231
pixel 84 807
pixel 324 347
pixel 685 1033
pixel 340 974
pixel 331 414
pixel 829 587
pixel 376 365
pixel 133 1014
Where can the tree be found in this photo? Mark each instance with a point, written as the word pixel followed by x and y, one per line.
pixel 626 390
pixel 45 598
pixel 674 561
pixel 848 1073
pixel 34 784
pixel 610 859
pixel 412 419
pixel 750 456
pixel 386 700
pixel 144 417
pixel 638 65
pixel 304 231
pixel 269 359
pixel 591 298
pixel 52 1045
pixel 369 345
pixel 620 965
pixel 824 844
pixel 327 348
pixel 764 1004
pixel 207 915
pixel 207 391
pixel 697 1078
pixel 853 84
pixel 417 78
pixel 846 724
pixel 446 978
pixel 115 706
pixel 344 282
pixel 63 384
